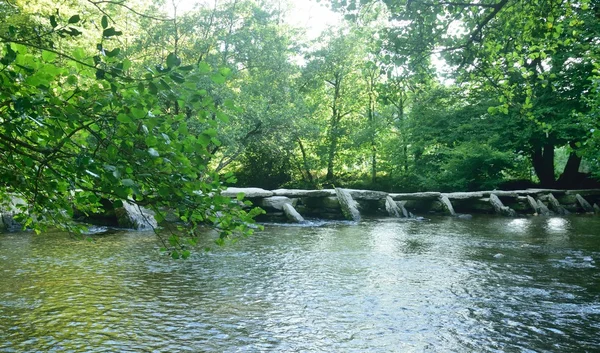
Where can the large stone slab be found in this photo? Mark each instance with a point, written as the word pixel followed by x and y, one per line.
pixel 392 208
pixel 367 194
pixel 464 195
pixel 584 204
pixel 584 192
pixel 500 208
pixel 249 193
pixel 292 214
pixel 502 193
pixel 432 195
pixel 533 204
pixel 275 202
pixel 447 205
pixel 348 205
pixel 304 193
pixel 556 206
pixel 543 209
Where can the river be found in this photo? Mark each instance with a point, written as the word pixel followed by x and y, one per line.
pixel 487 284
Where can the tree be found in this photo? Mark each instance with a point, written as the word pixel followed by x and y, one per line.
pixel 536 56
pixel 333 72
pixel 78 125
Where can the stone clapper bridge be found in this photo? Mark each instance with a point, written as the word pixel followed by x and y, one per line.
pixel 292 205
pixel 349 204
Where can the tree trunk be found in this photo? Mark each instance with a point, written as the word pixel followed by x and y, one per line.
pixel 333 127
pixel 570 175
pixel 305 161
pixel 331 154
pixel 543 164
pixel 373 163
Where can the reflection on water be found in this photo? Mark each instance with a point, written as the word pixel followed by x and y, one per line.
pixel 557 225
pixel 381 286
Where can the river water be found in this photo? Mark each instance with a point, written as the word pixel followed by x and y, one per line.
pixel 488 284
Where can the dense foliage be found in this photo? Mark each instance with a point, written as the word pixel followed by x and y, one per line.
pixel 118 100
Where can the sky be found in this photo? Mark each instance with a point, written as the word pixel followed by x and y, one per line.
pixel 304 13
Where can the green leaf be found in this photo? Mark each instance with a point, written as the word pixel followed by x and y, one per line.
pixel 223 117
pixel 113 53
pixel 126 64
pixel 118 203
pixel 177 77
pixel 72 80
pixel 124 118
pixel 49 56
pixel 100 74
pixel 53 22
pixel 127 182
pixel 186 68
pixel 138 113
pixel 217 78
pixel 173 60
pixel 74 19
pixel 104 22
pixel 109 32
pixel 204 67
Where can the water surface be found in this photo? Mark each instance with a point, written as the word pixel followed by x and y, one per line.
pixel 482 285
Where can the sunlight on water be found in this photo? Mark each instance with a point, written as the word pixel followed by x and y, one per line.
pixel 388 285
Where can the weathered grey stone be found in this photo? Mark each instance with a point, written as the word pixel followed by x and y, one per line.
pixel 584 204
pixel 556 206
pixel 500 208
pixel 464 216
pixel 464 195
pixel 9 208
pixel 447 205
pixel 291 213
pixel 303 193
pixel 248 192
pixel 133 216
pixel 596 209
pixel 331 202
pixel 584 192
pixel 392 208
pixel 502 193
pixel 416 196
pixel 367 194
pixel 400 205
pixel 544 192
pixel 275 202
pixel 348 205
pixel 534 205
pixel 543 209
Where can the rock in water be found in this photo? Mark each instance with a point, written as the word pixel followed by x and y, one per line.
pixel 391 207
pixel 292 214
pixel 584 204
pixel 544 210
pixel 596 209
pixel 447 205
pixel 135 217
pixel 556 206
pixel 534 205
pixel 348 205
pixel 405 212
pixel 500 208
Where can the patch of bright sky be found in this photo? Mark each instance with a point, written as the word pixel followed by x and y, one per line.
pixel 308 14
